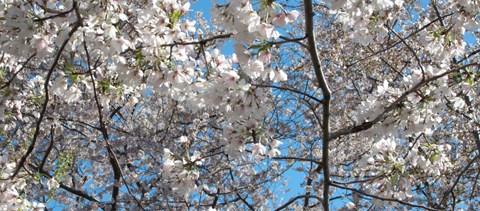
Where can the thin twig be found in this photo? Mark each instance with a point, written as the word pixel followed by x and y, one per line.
pixel 382 198
pixel 297 159
pixel 16 73
pixel 450 191
pixel 295 40
pixel 398 42
pixel 411 50
pixel 65 187
pixel 290 89
pixel 50 147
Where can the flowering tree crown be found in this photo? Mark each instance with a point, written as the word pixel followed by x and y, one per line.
pixel 125 104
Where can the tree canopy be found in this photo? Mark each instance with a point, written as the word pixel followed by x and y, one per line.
pixel 151 105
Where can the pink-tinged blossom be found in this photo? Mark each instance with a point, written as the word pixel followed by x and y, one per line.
pixel 185 8
pixel 385 146
pixel 382 4
pixel 189 26
pixel 241 53
pixel 264 56
pixel 183 140
pixel 258 149
pixel 383 89
pixel 280 19
pixel 254 69
pixel 196 158
pixel 273 148
pixel 249 17
pixel 292 15
pixel 268 31
pixel 121 45
pixel 52 184
pixel 337 4
pixel 230 77
pixel 43 47
pixel 278 75
pixel 110 32
pixel 350 206
pixel 73 94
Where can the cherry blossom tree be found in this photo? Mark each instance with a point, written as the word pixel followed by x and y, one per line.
pixel 136 105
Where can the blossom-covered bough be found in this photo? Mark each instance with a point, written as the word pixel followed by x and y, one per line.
pixel 123 104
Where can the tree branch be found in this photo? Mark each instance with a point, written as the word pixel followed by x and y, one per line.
pixel 394 105
pixel 202 41
pixel 65 187
pixel 78 23
pixel 117 170
pixel 312 49
pixel 292 200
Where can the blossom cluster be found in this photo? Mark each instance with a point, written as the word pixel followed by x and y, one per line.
pixel 12 189
pixel 365 20
pixel 182 173
pixel 386 158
